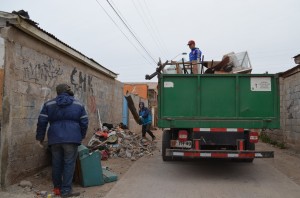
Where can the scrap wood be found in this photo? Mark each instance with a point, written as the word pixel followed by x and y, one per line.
pixel 132 108
pixel 218 66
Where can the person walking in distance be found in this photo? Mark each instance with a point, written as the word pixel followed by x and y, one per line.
pixel 68 126
pixel 146 120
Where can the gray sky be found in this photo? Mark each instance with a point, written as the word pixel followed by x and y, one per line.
pixel 268 29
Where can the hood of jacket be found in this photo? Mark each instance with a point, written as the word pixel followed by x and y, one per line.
pixel 64 99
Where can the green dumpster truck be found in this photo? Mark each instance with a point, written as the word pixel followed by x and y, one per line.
pixel 216 115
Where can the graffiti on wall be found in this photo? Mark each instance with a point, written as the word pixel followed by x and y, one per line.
pixel 81 82
pixel 83 88
pixel 45 72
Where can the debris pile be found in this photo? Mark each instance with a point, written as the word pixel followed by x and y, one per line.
pixel 231 63
pixel 119 142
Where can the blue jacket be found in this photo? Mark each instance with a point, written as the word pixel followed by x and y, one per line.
pixel 195 54
pixel 145 114
pixel 68 120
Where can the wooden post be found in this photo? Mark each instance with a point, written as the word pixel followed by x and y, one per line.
pixel 132 108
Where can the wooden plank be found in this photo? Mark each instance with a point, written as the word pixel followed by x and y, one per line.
pixel 132 108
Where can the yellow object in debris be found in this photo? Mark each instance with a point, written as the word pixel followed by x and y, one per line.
pixel 49 195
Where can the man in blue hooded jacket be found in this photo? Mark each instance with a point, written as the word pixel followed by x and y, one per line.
pixel 146 120
pixel 68 126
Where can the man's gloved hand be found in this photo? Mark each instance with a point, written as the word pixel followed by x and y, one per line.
pixel 140 120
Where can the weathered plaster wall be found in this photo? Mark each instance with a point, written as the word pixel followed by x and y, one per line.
pixel 289 133
pixel 291 110
pixel 32 71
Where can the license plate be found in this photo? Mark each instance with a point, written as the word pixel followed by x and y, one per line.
pixel 178 144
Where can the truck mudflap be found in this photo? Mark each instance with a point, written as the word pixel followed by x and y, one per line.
pixel 234 154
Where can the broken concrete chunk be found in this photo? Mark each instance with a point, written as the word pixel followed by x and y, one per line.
pixel 133 158
pixel 25 183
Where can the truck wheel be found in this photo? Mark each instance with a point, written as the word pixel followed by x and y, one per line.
pixel 165 145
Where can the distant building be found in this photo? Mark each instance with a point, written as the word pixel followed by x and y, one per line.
pixel 297 59
pixel 147 91
pixel 140 89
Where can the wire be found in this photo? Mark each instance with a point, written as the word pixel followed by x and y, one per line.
pixel 134 36
pixel 155 27
pixel 147 24
pixel 123 32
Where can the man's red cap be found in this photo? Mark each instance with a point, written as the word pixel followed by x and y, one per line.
pixel 191 42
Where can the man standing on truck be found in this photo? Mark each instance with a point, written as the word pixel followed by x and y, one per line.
pixel 146 120
pixel 195 55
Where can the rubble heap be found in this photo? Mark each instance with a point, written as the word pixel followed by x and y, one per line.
pixel 122 143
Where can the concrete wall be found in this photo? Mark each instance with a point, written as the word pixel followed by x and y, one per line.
pixel 291 110
pixel 32 71
pixel 289 133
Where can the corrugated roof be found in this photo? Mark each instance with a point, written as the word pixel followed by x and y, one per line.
pixel 16 20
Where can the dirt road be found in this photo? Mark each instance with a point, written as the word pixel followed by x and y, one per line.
pixel 274 178
pixel 151 177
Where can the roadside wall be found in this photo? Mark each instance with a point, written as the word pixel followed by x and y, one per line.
pixel 289 111
pixel 32 71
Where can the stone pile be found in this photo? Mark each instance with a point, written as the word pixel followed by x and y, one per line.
pixel 128 145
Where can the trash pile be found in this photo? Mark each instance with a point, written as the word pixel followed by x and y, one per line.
pixel 231 63
pixel 120 142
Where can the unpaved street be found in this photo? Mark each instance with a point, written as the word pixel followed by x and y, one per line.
pixel 151 177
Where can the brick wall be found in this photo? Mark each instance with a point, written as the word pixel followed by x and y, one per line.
pixel 32 71
pixel 291 109
pixel 289 132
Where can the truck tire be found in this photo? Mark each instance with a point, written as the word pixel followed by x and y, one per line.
pixel 166 144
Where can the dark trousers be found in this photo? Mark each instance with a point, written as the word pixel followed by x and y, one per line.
pixel 146 128
pixel 63 166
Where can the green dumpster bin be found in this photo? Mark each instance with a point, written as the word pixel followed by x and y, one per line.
pixel 219 101
pixel 90 167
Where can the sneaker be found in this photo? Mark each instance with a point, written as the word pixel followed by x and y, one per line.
pixel 56 191
pixel 153 138
pixel 71 194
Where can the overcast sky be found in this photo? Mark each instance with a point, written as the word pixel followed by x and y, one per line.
pixel 268 29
